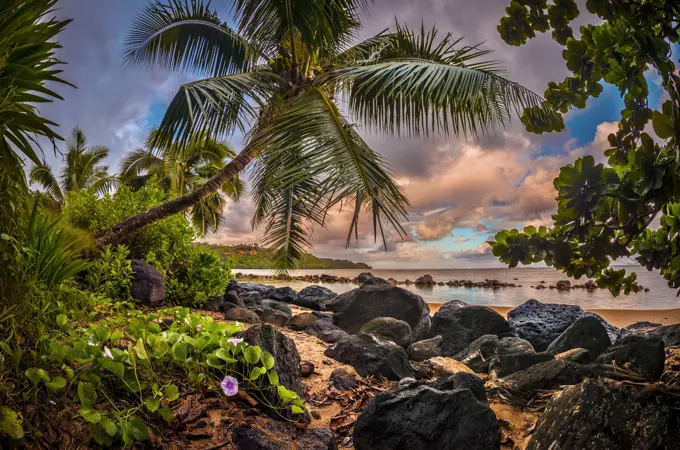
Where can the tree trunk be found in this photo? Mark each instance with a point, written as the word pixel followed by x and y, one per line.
pixel 117 232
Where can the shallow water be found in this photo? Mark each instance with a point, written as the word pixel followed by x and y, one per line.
pixel 660 296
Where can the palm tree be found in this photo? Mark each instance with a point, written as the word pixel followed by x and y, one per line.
pixel 80 170
pixel 27 63
pixel 181 169
pixel 280 75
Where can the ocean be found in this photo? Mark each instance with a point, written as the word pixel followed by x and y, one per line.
pixel 660 296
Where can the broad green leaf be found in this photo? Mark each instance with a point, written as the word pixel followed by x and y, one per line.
pixel 214 361
pixel 166 413
pixel 663 125
pixel 171 392
pixel 90 415
pixel 109 426
pixel 296 410
pixel 140 350
pixel 11 423
pixel 225 356
pixel 273 378
pixel 56 383
pixel 267 360
pixel 180 351
pixel 86 394
pixel 116 335
pixel 115 367
pixel 152 404
pixel 252 354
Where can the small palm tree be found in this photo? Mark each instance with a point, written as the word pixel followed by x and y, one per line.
pixel 181 169
pixel 80 170
pixel 280 75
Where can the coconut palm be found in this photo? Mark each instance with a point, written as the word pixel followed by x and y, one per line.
pixel 81 169
pixel 279 77
pixel 181 169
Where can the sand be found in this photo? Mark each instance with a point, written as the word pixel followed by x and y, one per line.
pixel 617 317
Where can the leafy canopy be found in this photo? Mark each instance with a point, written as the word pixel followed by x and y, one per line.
pixel 604 211
pixel 279 77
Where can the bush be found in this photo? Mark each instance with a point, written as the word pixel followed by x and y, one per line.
pixel 111 274
pixel 192 275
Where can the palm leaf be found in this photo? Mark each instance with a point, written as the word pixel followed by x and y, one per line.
pixel 187 36
pixel 42 175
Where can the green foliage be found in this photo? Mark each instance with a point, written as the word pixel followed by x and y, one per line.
pixel 126 371
pixel 255 257
pixel 110 274
pixel 604 211
pixel 199 278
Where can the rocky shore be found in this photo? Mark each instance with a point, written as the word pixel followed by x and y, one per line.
pixel 379 372
pixel 424 281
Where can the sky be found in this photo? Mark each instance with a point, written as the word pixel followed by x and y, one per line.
pixel 461 191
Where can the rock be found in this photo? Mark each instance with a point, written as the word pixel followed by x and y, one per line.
pixel 326 331
pixel 283 294
pixel 586 332
pixel 148 284
pixel 459 326
pixel 340 302
pixel 645 356
pixel 307 369
pixel 542 323
pixel 420 417
pixel 250 287
pixel 503 365
pixel 563 285
pixel 343 380
pixel 375 281
pixel 274 317
pixel 577 355
pixel 368 302
pixel 239 314
pixel 301 321
pixel 512 344
pixel 479 353
pixel 278 306
pixel 372 356
pixel 669 334
pixel 286 360
pixel 606 415
pixel 270 435
pixel 546 375
pixel 251 299
pixel 426 349
pixel 590 285
pixel 439 366
pixel 425 280
pixel 214 304
pixel 395 330
pixel 364 277
pixel 463 380
pixel 233 298
pixel 612 331
pixel 315 297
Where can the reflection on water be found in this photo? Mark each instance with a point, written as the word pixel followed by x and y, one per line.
pixel 660 296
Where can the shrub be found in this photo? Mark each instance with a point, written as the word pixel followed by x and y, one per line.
pixel 111 274
pixel 201 278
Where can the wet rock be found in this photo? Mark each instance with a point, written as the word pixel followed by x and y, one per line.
pixel 421 417
pixel 343 380
pixel 425 280
pixel 307 369
pixel 586 332
pixel 606 415
pixel 214 304
pixel 315 297
pixel 301 321
pixel 238 314
pixel 460 325
pixel 577 355
pixel 390 328
pixel 368 302
pixel 370 355
pixel 645 356
pixel 147 284
pixel 563 285
pixel 326 331
pixel 425 349
pixel 364 277
pixel 541 323
pixel 503 365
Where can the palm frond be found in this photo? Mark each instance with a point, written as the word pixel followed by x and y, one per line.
pixel 42 175
pixel 101 181
pixel 139 161
pixel 416 84
pixel 206 216
pixel 187 36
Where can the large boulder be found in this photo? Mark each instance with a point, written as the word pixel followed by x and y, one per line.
pixel 214 304
pixel 282 294
pixel 612 331
pixel 587 332
pixel 238 314
pixel 669 334
pixel 233 298
pixel 326 331
pixel 390 328
pixel 541 323
pixel 249 287
pixel 645 356
pixel 425 349
pixel 460 325
pixel 148 284
pixel 481 351
pixel 372 356
pixel 368 302
pixel 269 435
pixel 277 306
pixel 301 321
pixel 417 416
pixel 315 297
pixel 563 285
pixel 425 280
pixel 606 415
pixel 503 365
pixel 364 277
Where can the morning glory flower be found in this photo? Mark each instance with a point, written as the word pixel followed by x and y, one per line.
pixel 229 386
pixel 198 327
pixel 235 341
pixel 107 352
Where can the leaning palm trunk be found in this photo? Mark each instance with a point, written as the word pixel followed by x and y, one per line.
pixel 118 232
pixel 290 61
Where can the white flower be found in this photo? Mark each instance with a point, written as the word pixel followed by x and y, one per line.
pixel 107 352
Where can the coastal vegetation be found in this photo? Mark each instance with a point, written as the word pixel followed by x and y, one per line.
pixel 253 256
pixel 605 209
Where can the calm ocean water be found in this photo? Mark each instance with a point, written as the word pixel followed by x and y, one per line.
pixel 660 296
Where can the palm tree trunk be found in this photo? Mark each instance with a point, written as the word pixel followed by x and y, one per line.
pixel 117 232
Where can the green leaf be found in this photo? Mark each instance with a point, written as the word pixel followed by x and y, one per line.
pixel 171 392
pixel 139 430
pixel 267 360
pixel 284 394
pixel 86 394
pixel 296 410
pixel 90 415
pixel 273 378
pixel 109 426
pixel 160 349
pixel 56 384
pixel 11 423
pixel 166 413
pixel 215 362
pixel 152 404
pixel 180 351
pixel 61 320
pixel 115 367
pixel 140 350
pixel 663 125
pixel 252 354
pixel 37 375
pixel 225 356
pixel 115 336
